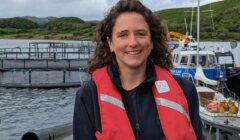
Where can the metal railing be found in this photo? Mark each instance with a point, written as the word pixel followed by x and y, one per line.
pixel 8 64
pixel 43 78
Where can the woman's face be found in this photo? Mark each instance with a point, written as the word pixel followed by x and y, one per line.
pixel 131 41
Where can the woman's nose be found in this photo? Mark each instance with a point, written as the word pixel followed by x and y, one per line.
pixel 133 41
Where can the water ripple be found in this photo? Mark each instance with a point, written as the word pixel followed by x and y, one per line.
pixel 22 110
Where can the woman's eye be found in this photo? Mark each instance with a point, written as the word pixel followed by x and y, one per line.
pixel 141 34
pixel 122 35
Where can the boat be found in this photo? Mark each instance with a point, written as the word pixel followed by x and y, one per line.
pixel 226 61
pixel 176 39
pixel 215 65
pixel 185 62
pixel 187 54
pixel 217 110
pixel 220 113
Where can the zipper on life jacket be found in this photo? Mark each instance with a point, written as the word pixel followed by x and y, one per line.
pixel 138 130
pixel 137 121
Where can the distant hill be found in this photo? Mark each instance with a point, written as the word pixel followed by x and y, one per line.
pixel 76 27
pixel 64 23
pixel 18 23
pixel 47 28
pixel 40 20
pixel 222 23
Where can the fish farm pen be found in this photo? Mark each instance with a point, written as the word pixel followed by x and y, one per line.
pixel 45 65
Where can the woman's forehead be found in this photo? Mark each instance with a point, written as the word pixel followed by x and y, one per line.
pixel 131 20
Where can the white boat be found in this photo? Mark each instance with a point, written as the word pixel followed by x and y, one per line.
pixel 217 111
pixel 223 117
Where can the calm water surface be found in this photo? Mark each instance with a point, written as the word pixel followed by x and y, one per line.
pixel 22 110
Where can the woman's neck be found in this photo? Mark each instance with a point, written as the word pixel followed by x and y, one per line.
pixel 131 78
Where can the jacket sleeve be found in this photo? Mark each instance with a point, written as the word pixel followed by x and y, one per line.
pixel 193 104
pixel 194 113
pixel 84 126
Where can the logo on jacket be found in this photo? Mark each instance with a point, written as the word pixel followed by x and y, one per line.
pixel 162 86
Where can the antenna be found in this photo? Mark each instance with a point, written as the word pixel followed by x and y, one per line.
pixel 191 23
pixel 185 20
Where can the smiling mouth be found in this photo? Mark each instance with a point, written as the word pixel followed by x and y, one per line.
pixel 133 52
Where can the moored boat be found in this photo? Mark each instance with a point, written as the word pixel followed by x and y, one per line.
pixel 185 62
pixel 219 113
pixel 226 61
pixel 217 110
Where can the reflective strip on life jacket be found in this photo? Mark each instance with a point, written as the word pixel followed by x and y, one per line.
pixel 112 100
pixel 172 105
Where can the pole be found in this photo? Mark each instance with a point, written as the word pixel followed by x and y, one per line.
pixel 191 22
pixel 2 63
pixel 64 75
pixel 185 20
pixel 198 30
pixel 30 76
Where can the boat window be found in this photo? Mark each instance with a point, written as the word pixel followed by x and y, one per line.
pixel 225 60
pixel 193 60
pixel 202 60
pixel 184 60
pixel 211 60
pixel 176 58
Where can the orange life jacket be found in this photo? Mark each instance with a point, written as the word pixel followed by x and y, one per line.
pixel 170 101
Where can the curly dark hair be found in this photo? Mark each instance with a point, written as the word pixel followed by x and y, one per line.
pixel 160 54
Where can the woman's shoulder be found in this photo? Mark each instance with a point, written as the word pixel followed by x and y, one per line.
pixel 183 82
pixel 87 90
pixel 187 86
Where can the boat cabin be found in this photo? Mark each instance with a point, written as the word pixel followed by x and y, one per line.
pixel 189 58
pixel 185 62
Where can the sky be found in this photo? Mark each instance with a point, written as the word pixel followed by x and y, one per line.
pixel 84 9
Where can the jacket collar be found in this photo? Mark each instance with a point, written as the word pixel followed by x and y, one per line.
pixel 149 81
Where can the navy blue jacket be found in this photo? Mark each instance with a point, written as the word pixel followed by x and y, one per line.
pixel 139 104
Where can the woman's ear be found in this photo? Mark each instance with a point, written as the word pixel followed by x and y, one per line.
pixel 110 44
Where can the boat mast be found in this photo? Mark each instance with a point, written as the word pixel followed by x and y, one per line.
pixel 191 23
pixel 198 30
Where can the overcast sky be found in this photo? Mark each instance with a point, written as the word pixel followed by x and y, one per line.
pixel 84 9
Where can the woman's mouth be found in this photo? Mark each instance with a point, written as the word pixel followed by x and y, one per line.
pixel 133 52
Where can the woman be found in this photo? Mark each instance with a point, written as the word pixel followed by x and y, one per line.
pixel 132 95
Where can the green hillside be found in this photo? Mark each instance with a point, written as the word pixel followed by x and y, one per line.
pixel 64 23
pixel 71 28
pixel 47 28
pixel 18 23
pixel 222 23
pixel 40 20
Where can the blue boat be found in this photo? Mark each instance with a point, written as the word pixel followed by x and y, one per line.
pixel 184 61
